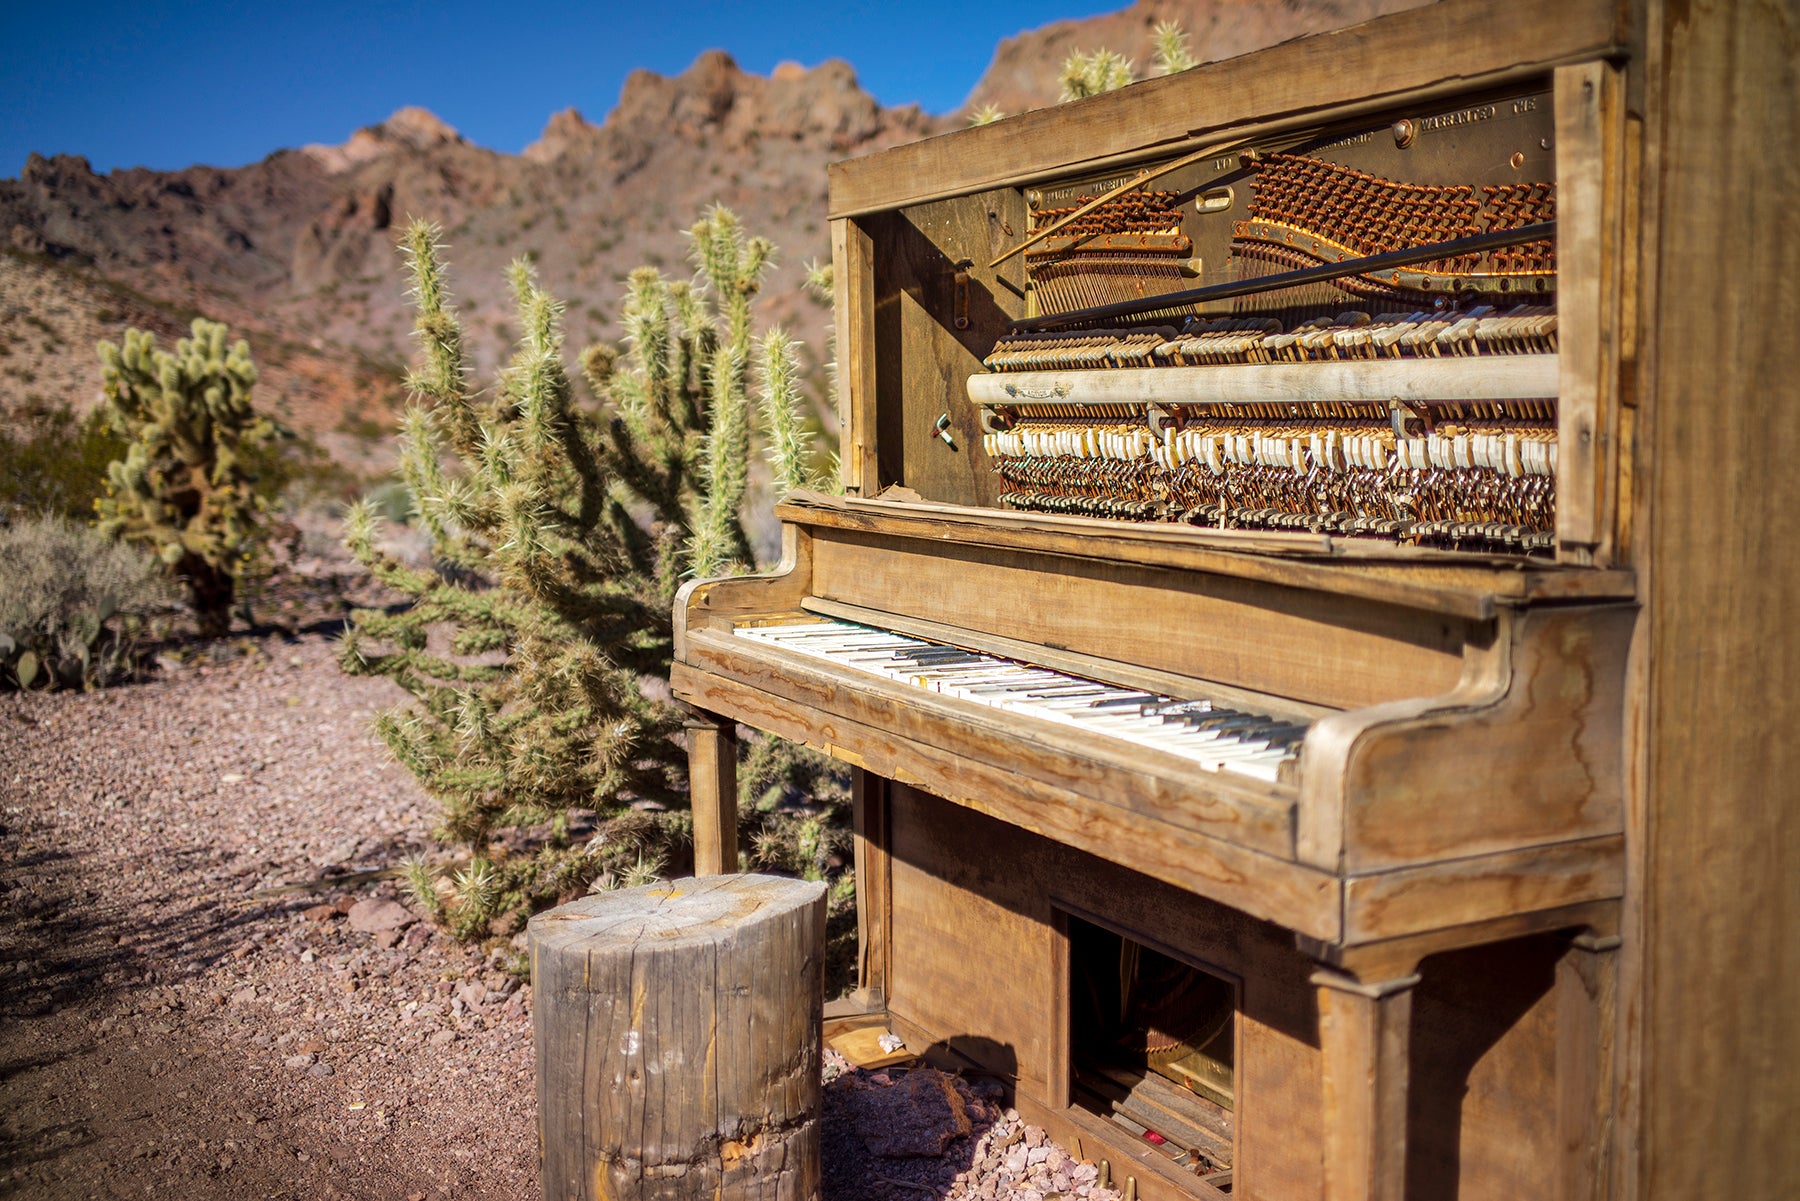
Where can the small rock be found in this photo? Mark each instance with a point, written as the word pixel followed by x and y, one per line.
pixel 443 1038
pixel 923 1115
pixel 386 939
pixel 319 913
pixel 298 1061
pixel 344 904
pixel 319 1069
pixel 373 916
pixel 307 955
pixel 417 936
pixel 310 1046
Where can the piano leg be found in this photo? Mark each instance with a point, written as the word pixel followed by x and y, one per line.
pixel 1586 991
pixel 1364 1030
pixel 712 786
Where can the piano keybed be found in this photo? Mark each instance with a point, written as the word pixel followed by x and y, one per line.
pixel 1214 736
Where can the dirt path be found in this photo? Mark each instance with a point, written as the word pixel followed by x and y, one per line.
pixel 208 988
pixel 165 1031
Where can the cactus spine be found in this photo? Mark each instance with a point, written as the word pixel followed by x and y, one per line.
pixel 187 484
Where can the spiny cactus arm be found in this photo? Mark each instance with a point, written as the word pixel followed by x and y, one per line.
pixel 717 541
pixel 559 456
pixel 1085 75
pixel 731 264
pixel 649 477
pixel 440 377
pixel 790 445
pixel 409 665
pixel 695 345
pixel 362 529
pixel 1171 44
pixel 645 402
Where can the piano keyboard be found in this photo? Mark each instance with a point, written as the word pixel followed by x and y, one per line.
pixel 1214 737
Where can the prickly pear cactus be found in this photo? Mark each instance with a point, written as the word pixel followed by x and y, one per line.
pixel 187 484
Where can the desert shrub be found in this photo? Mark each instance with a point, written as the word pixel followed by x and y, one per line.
pixel 56 463
pixel 72 603
pixel 559 535
pixel 188 485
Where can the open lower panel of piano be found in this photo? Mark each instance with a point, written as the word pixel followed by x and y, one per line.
pixel 1224 614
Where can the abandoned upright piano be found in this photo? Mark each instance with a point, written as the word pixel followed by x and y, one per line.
pixel 1229 609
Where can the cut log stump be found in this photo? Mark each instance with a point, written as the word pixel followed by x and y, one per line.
pixel 677 1030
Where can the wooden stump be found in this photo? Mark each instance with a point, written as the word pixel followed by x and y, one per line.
pixel 677 1031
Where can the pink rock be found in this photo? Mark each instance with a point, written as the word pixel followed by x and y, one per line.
pixel 373 916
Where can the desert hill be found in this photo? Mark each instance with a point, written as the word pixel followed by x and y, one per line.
pixel 296 251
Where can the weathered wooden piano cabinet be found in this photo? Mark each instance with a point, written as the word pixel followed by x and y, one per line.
pixel 1309 609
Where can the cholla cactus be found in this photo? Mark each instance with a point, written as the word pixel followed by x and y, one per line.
pixel 560 538
pixel 987 114
pixel 187 484
pixel 1171 43
pixel 1085 75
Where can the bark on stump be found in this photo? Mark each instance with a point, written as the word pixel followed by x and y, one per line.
pixel 677 1030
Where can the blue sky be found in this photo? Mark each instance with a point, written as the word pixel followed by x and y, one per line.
pixel 168 85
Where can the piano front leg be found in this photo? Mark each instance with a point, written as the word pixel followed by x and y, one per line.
pixel 1587 996
pixel 712 785
pixel 1365 1028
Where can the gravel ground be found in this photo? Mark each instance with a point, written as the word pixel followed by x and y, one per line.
pixel 210 989
pixel 167 1027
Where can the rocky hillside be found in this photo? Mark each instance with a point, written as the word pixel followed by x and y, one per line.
pixel 1024 72
pixel 296 251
